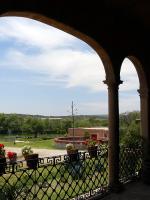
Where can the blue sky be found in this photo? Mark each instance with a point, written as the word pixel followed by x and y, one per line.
pixel 43 69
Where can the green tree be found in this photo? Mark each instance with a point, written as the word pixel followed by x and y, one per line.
pixel 130 130
pixel 37 126
pixel 3 128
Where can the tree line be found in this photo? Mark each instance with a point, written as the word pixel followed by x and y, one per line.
pixel 21 124
pixel 16 124
pixel 130 129
pixel 24 124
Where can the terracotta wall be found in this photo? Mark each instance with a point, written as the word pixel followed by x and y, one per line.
pixel 101 133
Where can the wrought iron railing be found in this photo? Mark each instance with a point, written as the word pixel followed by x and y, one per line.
pixel 56 178
pixel 62 177
pixel 130 163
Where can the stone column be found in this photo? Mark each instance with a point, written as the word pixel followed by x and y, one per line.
pixel 113 147
pixel 145 132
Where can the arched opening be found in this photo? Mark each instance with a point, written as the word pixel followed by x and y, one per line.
pixel 39 54
pixel 131 116
pixel 136 85
pixel 88 27
pixel 27 60
pixel 129 101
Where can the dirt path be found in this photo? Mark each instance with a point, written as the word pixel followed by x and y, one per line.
pixel 41 152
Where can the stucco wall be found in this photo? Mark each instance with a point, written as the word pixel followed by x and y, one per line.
pixel 100 133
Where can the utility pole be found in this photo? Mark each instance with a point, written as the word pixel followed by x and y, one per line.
pixel 72 109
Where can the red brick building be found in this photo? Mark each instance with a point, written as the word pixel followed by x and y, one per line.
pixel 97 133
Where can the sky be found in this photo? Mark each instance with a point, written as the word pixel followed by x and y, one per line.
pixel 43 69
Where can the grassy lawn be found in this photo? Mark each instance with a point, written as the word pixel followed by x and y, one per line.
pixel 40 142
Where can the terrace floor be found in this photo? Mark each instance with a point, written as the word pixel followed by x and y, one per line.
pixel 132 191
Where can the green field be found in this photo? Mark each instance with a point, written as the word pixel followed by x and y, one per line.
pixel 40 142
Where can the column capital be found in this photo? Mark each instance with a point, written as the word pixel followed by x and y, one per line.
pixel 112 84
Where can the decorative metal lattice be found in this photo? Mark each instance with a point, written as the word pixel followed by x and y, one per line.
pixel 54 178
pixel 72 177
pixel 130 163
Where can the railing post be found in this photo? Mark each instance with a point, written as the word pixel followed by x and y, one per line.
pixel 145 131
pixel 113 147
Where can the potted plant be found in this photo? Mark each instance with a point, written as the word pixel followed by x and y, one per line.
pixel 92 148
pixel 12 157
pixel 30 157
pixel 2 159
pixel 72 152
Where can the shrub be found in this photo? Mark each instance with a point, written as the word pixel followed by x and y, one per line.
pixel 70 146
pixel 26 150
pixel 90 143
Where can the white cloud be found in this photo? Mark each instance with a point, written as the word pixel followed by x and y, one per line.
pixel 57 60
pixel 73 68
pixel 31 32
pixel 129 76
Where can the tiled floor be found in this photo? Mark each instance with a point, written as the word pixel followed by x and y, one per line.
pixel 132 191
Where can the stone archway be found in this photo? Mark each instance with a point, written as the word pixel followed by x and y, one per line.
pixel 141 74
pixel 120 24
pixel 143 90
pixel 112 81
pixel 144 113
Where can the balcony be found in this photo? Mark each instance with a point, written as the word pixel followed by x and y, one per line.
pixel 80 176
pixel 132 191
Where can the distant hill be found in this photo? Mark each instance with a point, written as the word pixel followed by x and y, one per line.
pixel 103 116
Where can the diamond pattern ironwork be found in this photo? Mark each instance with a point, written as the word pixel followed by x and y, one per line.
pixel 56 178
pixel 130 163
pixel 61 178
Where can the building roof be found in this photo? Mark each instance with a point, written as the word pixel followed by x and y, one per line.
pixel 92 128
pixel 97 128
